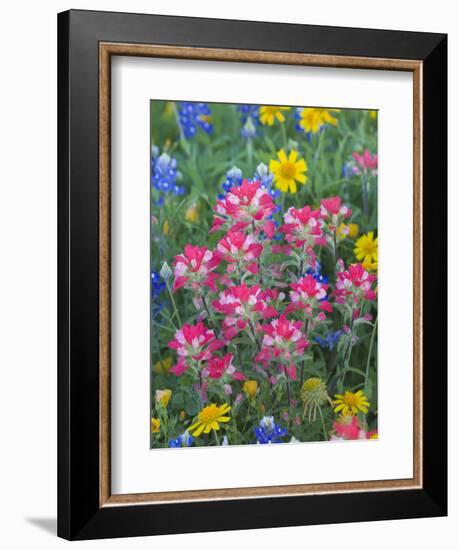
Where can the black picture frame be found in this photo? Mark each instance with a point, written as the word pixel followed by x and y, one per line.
pixel 80 515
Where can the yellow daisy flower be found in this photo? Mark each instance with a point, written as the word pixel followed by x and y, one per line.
pixel 270 113
pixel 312 119
pixel 250 388
pixel 351 403
pixel 209 418
pixel 288 171
pixel 155 425
pixel 366 248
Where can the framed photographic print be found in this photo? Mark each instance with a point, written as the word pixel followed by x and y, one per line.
pixel 252 274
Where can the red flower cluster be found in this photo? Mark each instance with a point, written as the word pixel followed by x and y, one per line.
pixel 354 284
pixel 242 305
pixel 237 288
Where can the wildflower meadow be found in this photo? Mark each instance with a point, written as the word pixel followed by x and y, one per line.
pixel 264 261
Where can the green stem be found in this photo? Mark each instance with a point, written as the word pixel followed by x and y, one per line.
pixel 323 424
pixel 284 136
pixel 370 349
pixel 365 197
pixel 335 246
pixel 174 305
pixel 303 366
pixel 209 315
pixel 249 152
pixel 238 353
pixel 252 330
pixel 216 438
pixel 287 382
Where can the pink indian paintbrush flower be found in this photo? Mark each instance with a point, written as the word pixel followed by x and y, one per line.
pixel 243 206
pixel 364 162
pixel 194 268
pixel 242 305
pixel 240 251
pixel 193 343
pixel 302 227
pixel 334 212
pixel 354 284
pixel 282 340
pixel 217 367
pixel 349 428
pixel 309 295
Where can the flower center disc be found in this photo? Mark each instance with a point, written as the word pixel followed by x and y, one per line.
pixel 288 170
pixel 209 413
pixel 349 399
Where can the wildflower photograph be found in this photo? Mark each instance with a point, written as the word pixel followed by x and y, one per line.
pixel 264 263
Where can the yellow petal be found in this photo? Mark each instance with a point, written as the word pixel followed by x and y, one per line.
pixel 223 419
pixel 282 156
pixel 282 185
pixel 207 428
pixel 215 426
pixel 198 432
pixel 293 156
pixel 280 117
pixel 301 178
pixel 301 165
pixel 292 186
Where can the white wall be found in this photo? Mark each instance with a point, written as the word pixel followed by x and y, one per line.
pixel 28 267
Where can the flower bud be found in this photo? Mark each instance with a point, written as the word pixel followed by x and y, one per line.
pixel 165 271
pixel 162 397
pixel 250 388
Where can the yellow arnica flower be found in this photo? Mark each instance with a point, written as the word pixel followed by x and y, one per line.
pixel 250 388
pixel 373 114
pixel 155 425
pixel 288 171
pixel 350 230
pixel 209 418
pixel 270 113
pixel 366 248
pixel 351 403
pixel 312 120
pixel 163 367
pixel 162 397
pixel 192 213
